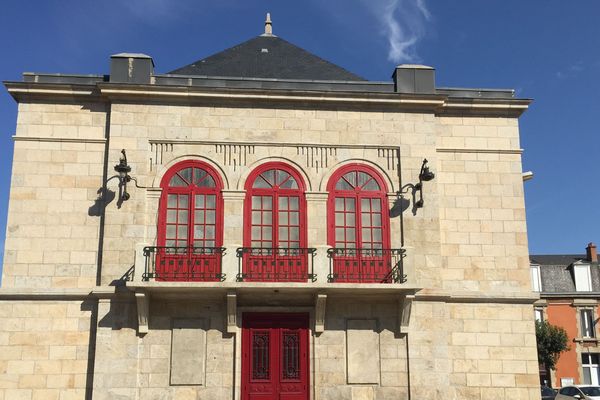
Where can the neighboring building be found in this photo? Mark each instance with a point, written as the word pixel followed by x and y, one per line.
pixel 254 255
pixel 569 286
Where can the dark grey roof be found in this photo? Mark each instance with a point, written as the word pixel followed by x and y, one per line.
pixel 267 57
pixel 556 259
pixel 557 275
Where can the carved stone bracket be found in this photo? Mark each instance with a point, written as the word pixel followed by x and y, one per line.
pixel 404 308
pixel 143 310
pixel 231 312
pixel 320 300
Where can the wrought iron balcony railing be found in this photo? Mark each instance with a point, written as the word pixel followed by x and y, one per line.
pixel 366 265
pixel 276 264
pixel 183 264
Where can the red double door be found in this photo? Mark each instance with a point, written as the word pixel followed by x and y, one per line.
pixel 275 356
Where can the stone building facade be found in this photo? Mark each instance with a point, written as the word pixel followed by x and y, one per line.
pixel 278 235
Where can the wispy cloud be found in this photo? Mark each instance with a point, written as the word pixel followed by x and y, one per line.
pixel 403 23
pixel 571 70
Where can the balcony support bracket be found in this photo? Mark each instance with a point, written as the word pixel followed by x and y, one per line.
pixel 232 312
pixel 143 310
pixel 320 301
pixel 404 308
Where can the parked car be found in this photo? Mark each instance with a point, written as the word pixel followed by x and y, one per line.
pixel 579 392
pixel 548 393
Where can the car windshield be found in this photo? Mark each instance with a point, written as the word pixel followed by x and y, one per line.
pixel 591 390
pixel 547 391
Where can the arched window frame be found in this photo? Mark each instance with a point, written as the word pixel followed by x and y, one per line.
pixel 252 191
pixel 191 190
pixel 358 195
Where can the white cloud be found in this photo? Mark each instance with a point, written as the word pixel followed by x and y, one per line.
pixel 403 23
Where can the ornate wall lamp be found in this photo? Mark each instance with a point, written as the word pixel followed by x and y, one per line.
pixel 123 169
pixel 417 188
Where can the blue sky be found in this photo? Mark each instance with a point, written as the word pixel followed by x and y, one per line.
pixel 547 50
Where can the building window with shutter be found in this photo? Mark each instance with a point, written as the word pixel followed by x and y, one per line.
pixel 587 321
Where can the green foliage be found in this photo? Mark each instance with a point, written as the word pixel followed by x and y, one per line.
pixel 551 341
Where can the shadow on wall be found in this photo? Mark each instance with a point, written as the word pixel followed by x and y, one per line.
pixel 105 197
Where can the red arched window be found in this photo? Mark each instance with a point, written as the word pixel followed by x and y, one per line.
pixel 190 223
pixel 358 225
pixel 275 225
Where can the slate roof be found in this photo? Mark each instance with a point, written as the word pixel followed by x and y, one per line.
pixel 556 274
pixel 267 57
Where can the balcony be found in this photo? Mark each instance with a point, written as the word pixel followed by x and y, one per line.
pixel 366 265
pixel 183 264
pixel 276 264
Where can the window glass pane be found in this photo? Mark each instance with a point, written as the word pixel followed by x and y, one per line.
pixel 210 217
pixel 199 217
pixel 377 235
pixel 283 234
pixel 339 219
pixel 339 204
pixel 376 219
pixel 255 244
pixel 267 217
pixel 295 234
pixel 186 174
pixel 211 201
pixel 199 175
pixel 585 358
pixel 181 243
pixel 283 203
pixel 182 232
pixel 293 205
pixel 342 185
pixel 294 245
pixel 289 184
pixel 176 181
pixel 199 199
pixel 376 204
pixel 207 182
pixel 371 185
pixel 281 177
pixel 269 176
pixel 183 201
pixel 182 217
pixel 350 205
pixel 171 231
pixel 365 219
pixel 351 178
pixel 267 233
pixel 283 218
pixel 362 179
pixel 260 183
pixel 339 234
pixel 171 216
pixel 256 233
pixel 170 243
pixel 350 220
pixel 267 203
pixel 172 201
pixel 587 376
pixel 294 218
pixel 350 234
pixel 198 232
pixel 210 232
pixel 256 217
pixel 366 235
pixel 365 205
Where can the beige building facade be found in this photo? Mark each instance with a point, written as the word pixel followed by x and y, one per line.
pixel 118 288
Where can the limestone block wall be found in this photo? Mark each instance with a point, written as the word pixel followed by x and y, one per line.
pixel 473 351
pixel 43 349
pixel 482 208
pixel 53 216
pixel 130 366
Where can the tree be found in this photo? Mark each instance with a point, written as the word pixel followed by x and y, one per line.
pixel 551 342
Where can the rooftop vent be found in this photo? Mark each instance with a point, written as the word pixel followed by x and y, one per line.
pixel 410 78
pixel 131 68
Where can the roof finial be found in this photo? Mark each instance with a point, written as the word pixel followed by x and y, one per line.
pixel 268 26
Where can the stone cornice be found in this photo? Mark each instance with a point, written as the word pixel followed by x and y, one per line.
pixel 440 104
pixel 477 297
pixel 98 292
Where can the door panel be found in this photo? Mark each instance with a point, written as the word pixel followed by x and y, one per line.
pixel 275 356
